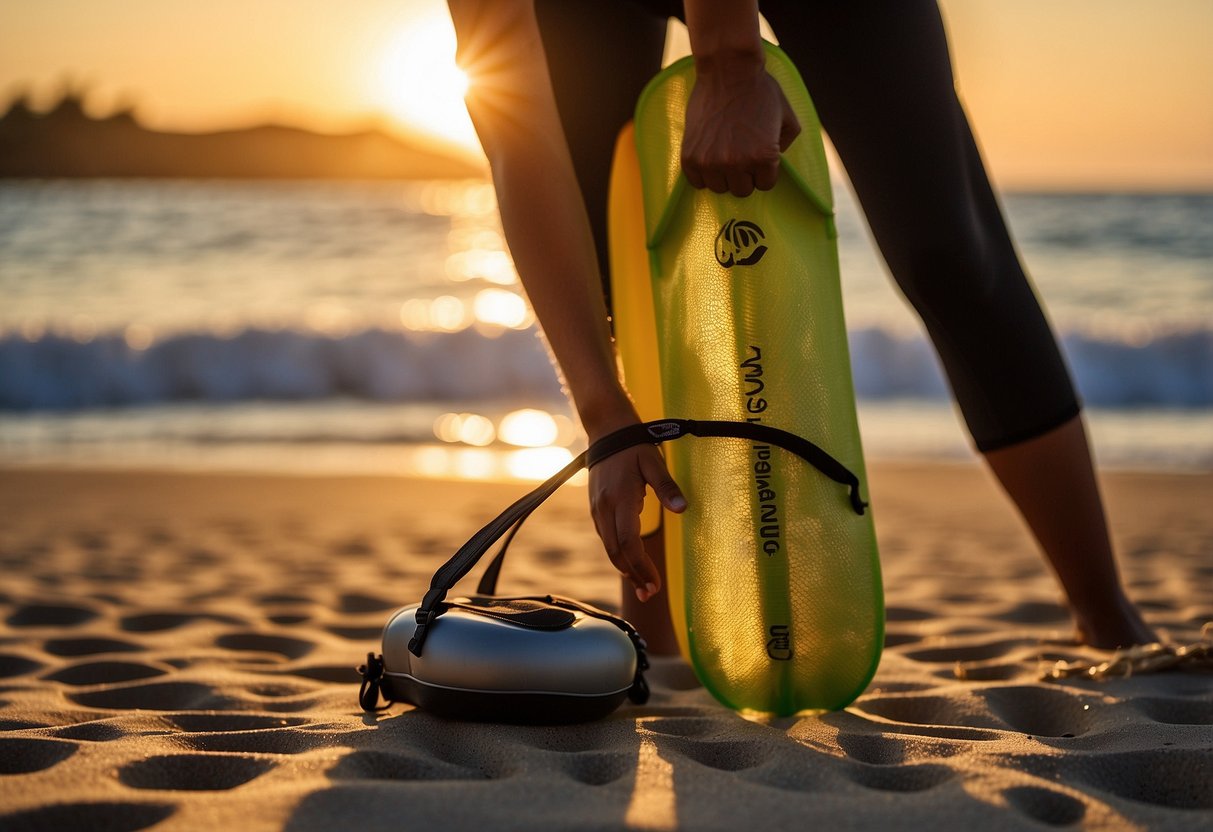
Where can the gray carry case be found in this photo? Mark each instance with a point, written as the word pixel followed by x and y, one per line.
pixel 538 659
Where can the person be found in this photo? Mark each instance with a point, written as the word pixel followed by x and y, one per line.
pixel 552 83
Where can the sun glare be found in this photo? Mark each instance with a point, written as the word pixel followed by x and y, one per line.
pixel 420 84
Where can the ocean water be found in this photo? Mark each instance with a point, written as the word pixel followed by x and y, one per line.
pixel 380 327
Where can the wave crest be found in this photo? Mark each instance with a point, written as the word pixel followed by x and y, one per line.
pixel 57 373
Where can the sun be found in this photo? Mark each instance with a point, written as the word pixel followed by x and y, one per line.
pixel 420 84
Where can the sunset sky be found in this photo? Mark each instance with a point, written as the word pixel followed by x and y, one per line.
pixel 1090 94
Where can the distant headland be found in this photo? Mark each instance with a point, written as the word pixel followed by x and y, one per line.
pixel 65 141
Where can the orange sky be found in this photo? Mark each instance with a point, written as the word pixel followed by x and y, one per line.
pixel 1093 94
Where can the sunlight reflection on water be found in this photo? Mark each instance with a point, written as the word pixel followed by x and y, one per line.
pixel 369 326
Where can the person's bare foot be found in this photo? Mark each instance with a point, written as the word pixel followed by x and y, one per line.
pixel 1118 625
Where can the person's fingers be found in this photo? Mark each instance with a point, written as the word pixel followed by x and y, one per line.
pixel 602 527
pixel 766 175
pixel 619 526
pixel 663 485
pixel 740 183
pixel 605 524
pixel 694 176
pixel 640 567
pixel 716 181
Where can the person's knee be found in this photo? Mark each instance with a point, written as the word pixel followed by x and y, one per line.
pixel 951 272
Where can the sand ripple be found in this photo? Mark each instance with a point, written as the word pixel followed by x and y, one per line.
pixel 190 659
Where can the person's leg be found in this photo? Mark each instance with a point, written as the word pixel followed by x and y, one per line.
pixel 880 76
pixel 600 55
pixel 1051 480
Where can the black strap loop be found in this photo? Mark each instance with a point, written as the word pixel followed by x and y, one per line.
pixel 372 681
pixel 667 429
pixel 656 432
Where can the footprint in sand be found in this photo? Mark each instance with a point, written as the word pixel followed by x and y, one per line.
pixel 20 755
pixel 343 674
pixel 19 725
pixel 1175 711
pixel 354 547
pixel 154 622
pixel 877 750
pixel 113 817
pixel 1045 805
pixel 591 736
pixel 50 615
pixel 263 741
pixel 895 613
pixel 723 755
pixel 1033 612
pixel 13 665
pixel 88 646
pixel 355 633
pixel 193 772
pixel 934 712
pixel 1040 711
pixel 975 652
pixel 904 778
pixel 681 726
pixel 895 639
pixel 380 765
pixel 283 647
pixel 160 696
pixel 355 603
pixel 92 732
pixel 598 768
pixel 98 673
pixel 877 744
pixel 289 619
pixel 276 598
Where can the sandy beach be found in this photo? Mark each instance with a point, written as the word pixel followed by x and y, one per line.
pixel 178 653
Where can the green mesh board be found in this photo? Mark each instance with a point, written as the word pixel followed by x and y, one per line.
pixel 774 580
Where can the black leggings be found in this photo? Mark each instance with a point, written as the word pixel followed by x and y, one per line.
pixel 881 78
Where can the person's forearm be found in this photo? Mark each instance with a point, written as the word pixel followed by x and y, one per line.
pixel 514 110
pixel 724 35
pixel 550 240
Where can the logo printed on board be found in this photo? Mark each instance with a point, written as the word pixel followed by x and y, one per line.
pixel 739 243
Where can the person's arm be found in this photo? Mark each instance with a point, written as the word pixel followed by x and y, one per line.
pixel 512 105
pixel 738 119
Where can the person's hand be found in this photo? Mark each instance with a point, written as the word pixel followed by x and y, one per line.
pixel 616 497
pixel 738 121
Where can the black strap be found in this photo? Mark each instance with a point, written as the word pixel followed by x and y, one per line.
pixel 488 581
pixel 372 681
pixel 639 434
pixel 667 429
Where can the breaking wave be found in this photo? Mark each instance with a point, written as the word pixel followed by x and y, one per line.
pixel 55 372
